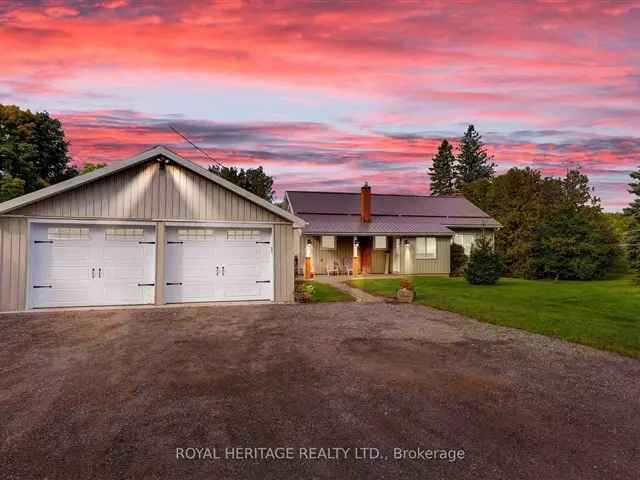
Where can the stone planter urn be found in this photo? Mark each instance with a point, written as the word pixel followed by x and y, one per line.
pixel 405 295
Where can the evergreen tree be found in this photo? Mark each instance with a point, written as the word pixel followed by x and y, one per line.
pixel 442 171
pixel 485 266
pixel 633 235
pixel 474 163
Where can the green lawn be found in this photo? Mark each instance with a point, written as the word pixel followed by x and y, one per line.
pixel 326 293
pixel 603 314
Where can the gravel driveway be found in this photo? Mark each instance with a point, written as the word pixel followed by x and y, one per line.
pixel 114 394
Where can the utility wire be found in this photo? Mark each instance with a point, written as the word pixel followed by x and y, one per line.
pixel 196 146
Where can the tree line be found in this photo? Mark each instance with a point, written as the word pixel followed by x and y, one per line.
pixel 551 227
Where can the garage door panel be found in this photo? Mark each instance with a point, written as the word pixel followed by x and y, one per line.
pixel 244 253
pixel 190 265
pixel 67 296
pixel 241 290
pixel 104 267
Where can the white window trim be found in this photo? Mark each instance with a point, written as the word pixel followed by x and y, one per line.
pixel 333 241
pixel 428 253
pixel 375 240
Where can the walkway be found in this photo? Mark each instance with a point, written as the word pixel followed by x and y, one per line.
pixel 338 282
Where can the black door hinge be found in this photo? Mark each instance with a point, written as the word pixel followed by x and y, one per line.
pixel 266 243
pixel 146 284
pixel 43 241
pixel 147 243
pixel 263 281
pixel 179 243
pixel 174 283
pixel 42 286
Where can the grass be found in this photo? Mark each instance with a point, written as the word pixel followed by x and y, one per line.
pixel 602 314
pixel 326 293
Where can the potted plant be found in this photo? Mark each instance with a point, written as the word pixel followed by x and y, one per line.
pixel 303 292
pixel 405 293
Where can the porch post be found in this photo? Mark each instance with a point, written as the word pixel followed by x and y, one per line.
pixel 356 258
pixel 307 259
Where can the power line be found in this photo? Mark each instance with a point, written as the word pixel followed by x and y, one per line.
pixel 196 146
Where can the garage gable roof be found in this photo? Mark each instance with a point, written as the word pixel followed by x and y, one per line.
pixel 143 157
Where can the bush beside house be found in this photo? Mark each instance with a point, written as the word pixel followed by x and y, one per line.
pixel 485 266
pixel 458 260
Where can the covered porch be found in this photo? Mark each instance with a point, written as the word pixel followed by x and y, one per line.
pixel 350 256
pixel 347 255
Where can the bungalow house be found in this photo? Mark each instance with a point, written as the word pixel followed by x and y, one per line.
pixel 365 233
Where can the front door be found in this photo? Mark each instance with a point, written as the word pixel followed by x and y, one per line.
pixel 366 245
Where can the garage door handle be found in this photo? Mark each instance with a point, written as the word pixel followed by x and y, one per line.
pixel 263 281
pixel 42 286
pixel 174 283
pixel 175 243
pixel 146 284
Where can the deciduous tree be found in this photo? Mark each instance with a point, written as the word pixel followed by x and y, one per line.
pixel 33 149
pixel 255 180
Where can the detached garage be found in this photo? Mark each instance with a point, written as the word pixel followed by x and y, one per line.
pixel 154 229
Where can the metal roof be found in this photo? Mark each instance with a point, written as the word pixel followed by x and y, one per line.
pixel 382 204
pixel 339 213
pixel 145 156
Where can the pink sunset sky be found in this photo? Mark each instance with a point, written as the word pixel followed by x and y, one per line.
pixel 325 95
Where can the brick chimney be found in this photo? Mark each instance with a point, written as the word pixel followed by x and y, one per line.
pixel 365 203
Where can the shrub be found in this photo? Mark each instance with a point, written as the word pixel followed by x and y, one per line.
pixel 458 260
pixel 485 266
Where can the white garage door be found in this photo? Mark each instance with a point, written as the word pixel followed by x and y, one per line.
pixel 216 264
pixel 85 265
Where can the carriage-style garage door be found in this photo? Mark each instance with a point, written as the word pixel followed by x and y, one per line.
pixel 86 264
pixel 218 264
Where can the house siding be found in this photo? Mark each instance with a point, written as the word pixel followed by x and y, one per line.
pixel 141 193
pixel 284 275
pixel 322 258
pixel 146 192
pixel 13 263
pixel 438 266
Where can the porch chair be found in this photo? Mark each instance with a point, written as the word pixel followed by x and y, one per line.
pixel 347 266
pixel 333 269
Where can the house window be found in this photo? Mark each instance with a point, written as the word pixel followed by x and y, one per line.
pixel 243 235
pixel 123 234
pixel 466 240
pixel 196 233
pixel 426 248
pixel 67 233
pixel 328 242
pixel 380 242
